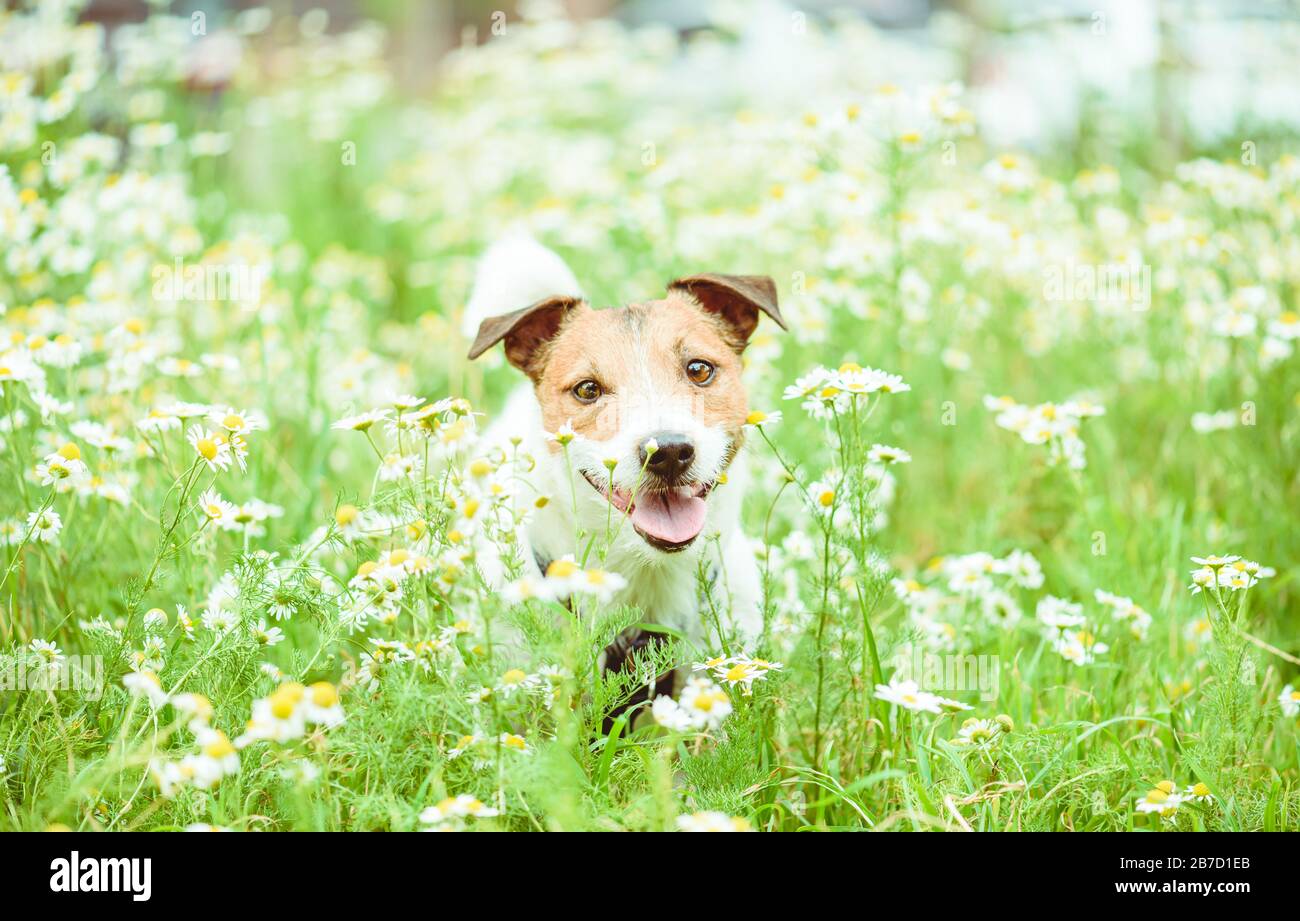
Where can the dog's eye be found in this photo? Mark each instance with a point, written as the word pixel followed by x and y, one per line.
pixel 699 371
pixel 587 391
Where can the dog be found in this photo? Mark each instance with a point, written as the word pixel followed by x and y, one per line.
pixel 652 393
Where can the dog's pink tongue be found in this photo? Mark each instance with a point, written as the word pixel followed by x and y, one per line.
pixel 669 516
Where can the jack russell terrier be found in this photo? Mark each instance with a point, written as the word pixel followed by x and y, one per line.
pixel 653 388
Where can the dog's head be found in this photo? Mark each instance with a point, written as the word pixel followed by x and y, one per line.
pixel 652 389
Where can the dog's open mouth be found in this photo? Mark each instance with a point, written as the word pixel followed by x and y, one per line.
pixel 668 519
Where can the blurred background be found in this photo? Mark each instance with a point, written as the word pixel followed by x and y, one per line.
pixel 1193 74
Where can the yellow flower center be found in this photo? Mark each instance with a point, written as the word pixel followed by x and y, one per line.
pixel 561 569
pixel 219 747
pixel 324 694
pixel 70 451
pixel 737 672
pixel 206 447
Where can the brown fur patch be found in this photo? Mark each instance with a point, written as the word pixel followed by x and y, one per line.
pixel 639 352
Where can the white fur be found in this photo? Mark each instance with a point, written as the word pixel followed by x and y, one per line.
pixel 663 585
pixel 514 272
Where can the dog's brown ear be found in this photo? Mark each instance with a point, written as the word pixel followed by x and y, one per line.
pixel 524 330
pixel 736 299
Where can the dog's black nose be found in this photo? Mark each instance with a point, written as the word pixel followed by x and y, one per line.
pixel 671 459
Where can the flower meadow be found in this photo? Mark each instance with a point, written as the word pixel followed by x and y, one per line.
pixel 1025 493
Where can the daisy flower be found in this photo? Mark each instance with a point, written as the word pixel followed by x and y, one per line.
pixel 1023 569
pixel 1058 613
pixel 822 494
pixel 216 758
pixel 403 402
pixel 516 680
pixel 739 673
pixel 268 636
pixel 48 656
pixel 884 454
pixel 761 419
pixel 743 671
pixel 63 468
pixel 563 435
pixel 705 704
pixel 215 508
pixel 399 467
pixel 711 664
pixel 463 744
pixel 456 807
pixel 907 694
pixel 1079 647
pixel 236 422
pixel 712 822
pixel 155 620
pixel 515 743
pixel 1163 800
pixel 599 583
pixel 363 421
pixel 213 449
pixel 145 684
pixel 321 705
pixel 527 589
pixel 669 714
pixel 45 526
pixel 1214 562
pixel 196 706
pixel 1127 611
pixel 277 717
pixel 983 734
pixel 219 620
pixel 1289 701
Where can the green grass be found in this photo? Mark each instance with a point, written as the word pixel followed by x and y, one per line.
pixel 372 265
